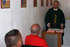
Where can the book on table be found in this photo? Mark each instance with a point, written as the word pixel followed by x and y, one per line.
pixel 54 30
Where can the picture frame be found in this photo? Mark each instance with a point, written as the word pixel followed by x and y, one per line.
pixel 5 3
pixel 42 3
pixel 50 2
pixel 35 3
pixel 23 3
pixel 46 2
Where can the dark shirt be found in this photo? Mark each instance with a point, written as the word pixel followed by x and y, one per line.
pixel 55 18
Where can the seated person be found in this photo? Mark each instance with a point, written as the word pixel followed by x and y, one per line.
pixel 13 39
pixel 33 39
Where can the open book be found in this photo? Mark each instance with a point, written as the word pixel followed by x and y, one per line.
pixel 53 30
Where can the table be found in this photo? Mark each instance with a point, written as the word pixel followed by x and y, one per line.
pixel 52 39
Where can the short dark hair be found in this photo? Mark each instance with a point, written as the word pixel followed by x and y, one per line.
pixel 9 37
pixel 34 31
pixel 56 1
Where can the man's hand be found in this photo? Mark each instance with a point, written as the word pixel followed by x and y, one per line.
pixel 61 26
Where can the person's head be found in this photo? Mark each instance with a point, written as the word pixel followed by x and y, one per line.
pixel 35 29
pixel 56 4
pixel 13 38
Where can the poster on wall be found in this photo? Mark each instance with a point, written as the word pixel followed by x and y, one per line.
pixel 46 2
pixel 5 3
pixel 50 2
pixel 35 3
pixel 23 3
pixel 42 3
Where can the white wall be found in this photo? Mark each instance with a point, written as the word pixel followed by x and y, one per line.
pixel 65 6
pixel 16 17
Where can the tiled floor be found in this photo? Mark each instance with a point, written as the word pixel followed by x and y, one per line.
pixel 65 46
